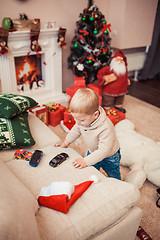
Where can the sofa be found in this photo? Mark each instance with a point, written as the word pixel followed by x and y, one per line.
pixel 106 210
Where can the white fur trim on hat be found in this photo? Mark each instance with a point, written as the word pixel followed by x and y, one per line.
pixel 94 178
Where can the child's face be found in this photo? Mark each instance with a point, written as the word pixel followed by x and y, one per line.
pixel 84 119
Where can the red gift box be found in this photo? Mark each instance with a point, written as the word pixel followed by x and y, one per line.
pixel 100 100
pixel 67 125
pixel 115 115
pixel 79 81
pixel 62 110
pixel 97 89
pixel 52 107
pixel 71 90
pixel 68 116
pixel 68 119
pixel 41 112
pixel 94 87
pixel 54 117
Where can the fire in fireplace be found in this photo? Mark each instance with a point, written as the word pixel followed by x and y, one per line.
pixel 29 72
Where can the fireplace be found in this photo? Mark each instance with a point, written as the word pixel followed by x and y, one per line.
pixel 36 75
pixel 29 72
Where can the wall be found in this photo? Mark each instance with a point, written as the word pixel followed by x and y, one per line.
pixel 133 25
pixel 127 17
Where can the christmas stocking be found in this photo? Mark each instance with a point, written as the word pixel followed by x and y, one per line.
pixel 34 35
pixel 3 42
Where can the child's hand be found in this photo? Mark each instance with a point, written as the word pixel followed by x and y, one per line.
pixel 79 163
pixel 62 145
pixel 57 144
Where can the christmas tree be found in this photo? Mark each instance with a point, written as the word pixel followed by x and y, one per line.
pixel 90 47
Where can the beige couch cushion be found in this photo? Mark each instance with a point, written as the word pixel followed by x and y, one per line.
pixel 101 206
pixel 41 134
pixel 17 205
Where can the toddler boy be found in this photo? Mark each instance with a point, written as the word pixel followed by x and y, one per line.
pixel 97 131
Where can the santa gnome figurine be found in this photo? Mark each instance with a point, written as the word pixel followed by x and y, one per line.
pixel 113 81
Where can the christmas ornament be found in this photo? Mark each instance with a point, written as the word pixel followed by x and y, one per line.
pixel 61 195
pixel 7 24
pixel 3 42
pixel 91 18
pixel 80 67
pixel 34 36
pixel 95 31
pixel 76 45
pixel 23 16
pixel 61 37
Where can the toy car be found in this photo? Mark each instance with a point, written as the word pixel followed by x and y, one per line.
pixel 158 200
pixel 35 158
pixel 142 234
pixel 23 154
pixel 58 159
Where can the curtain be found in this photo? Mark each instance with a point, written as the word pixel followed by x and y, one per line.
pixel 151 67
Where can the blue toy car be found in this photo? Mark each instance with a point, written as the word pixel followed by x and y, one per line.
pixel 35 158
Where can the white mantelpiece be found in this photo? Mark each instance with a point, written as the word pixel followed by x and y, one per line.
pixel 19 45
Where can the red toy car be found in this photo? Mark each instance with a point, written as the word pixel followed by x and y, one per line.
pixel 23 154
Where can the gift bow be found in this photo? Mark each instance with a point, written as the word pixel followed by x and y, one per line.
pixel 84 32
pixel 111 112
pixel 106 26
pixel 53 107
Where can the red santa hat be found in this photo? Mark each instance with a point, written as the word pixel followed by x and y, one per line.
pixel 120 54
pixel 61 195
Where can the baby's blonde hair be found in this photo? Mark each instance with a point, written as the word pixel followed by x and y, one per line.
pixel 85 100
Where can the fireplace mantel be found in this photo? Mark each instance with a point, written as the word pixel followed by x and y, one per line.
pixel 19 45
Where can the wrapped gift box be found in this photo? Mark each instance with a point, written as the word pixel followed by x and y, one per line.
pixel 55 113
pixel 68 121
pixel 62 109
pixel 67 125
pixel 71 90
pixel 79 81
pixel 68 116
pixel 100 100
pixel 115 115
pixel 41 111
pixel 52 108
pixel 54 117
pixel 94 87
pixel 97 89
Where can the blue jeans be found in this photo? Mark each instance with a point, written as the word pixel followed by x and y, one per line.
pixel 110 165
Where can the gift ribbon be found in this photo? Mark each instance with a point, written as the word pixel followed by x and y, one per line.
pixel 70 115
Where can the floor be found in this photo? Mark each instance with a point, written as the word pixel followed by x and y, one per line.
pixel 147 91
